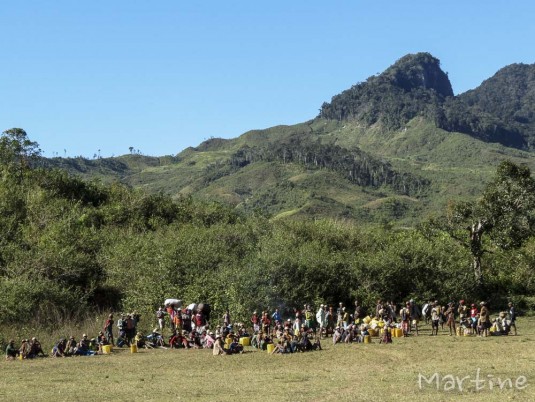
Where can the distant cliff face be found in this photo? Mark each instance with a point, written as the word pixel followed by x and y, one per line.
pixel 420 70
pixel 501 109
pixel 414 85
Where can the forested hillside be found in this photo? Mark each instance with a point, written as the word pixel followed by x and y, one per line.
pixel 395 148
pixel 70 247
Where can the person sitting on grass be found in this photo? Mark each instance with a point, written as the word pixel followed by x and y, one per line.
pixel 139 340
pixel 11 351
pixel 279 348
pixel 193 341
pixel 386 335
pixel 337 335
pixel 363 332
pixel 59 348
pixel 156 339
pixel 178 340
pixel 235 346
pixel 24 350
pixel 83 348
pixel 70 348
pixel 35 349
pixel 100 341
pixel 219 348
pixel 208 340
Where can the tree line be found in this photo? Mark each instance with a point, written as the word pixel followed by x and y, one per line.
pixel 69 247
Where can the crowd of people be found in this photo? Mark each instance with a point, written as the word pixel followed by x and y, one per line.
pixel 190 328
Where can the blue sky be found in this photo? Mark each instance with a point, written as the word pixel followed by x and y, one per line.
pixel 83 76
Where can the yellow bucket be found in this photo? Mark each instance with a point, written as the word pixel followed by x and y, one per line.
pixel 399 333
pixel 372 332
pixel 367 339
pixel 245 341
pixel 21 357
pixel 366 320
pixel 106 349
pixel 270 347
pixel 228 341
pixel 133 348
pixel 458 331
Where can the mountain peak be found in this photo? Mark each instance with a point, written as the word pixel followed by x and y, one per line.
pixel 419 70
pixel 413 86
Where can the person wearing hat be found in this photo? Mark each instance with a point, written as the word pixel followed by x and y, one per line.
pixel 35 349
pixel 24 350
pixel 219 346
pixel 11 351
pixel 208 340
pixel 255 320
pixel 83 348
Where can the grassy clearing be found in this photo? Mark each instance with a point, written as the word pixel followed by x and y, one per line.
pixel 344 372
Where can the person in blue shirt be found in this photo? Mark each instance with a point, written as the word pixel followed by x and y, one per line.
pixel 276 316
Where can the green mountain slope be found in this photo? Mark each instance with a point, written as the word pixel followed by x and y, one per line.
pixel 384 150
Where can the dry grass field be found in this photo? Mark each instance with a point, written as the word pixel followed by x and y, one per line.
pixel 354 372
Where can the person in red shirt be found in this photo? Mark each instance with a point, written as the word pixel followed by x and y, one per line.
pixel 199 321
pixel 255 320
pixel 473 319
pixel 266 323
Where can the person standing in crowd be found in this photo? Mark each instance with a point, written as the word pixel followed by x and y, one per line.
pixel 435 318
pixel 309 317
pixel 415 315
pixel 171 312
pixel 379 308
pixel 512 316
pixel 339 314
pixel 276 316
pixel 108 329
pixel 462 310
pixel 474 316
pixel 266 323
pixel 320 318
pixel 405 315
pixel 226 318
pixel 484 319
pixel 160 316
pixel 345 318
pixel 255 320
pixel 358 312
pixel 450 318
pixel 130 328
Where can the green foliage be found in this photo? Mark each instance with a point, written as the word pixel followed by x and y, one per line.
pixel 415 85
